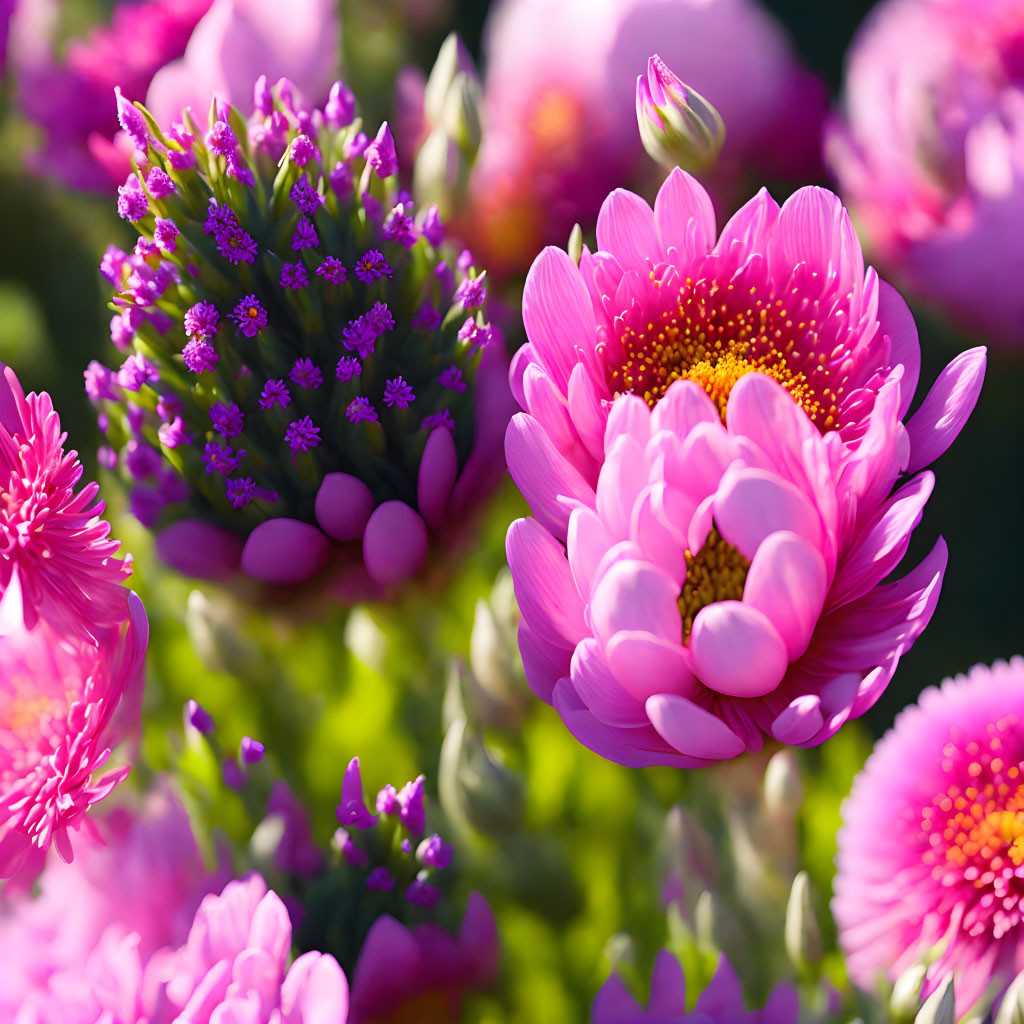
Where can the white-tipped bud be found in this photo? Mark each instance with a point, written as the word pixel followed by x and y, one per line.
pixel 575 246
pixel 460 116
pixel 905 1000
pixel 803 933
pixel 440 173
pixel 678 126
pixel 940 1006
pixel 783 786
pixel 452 60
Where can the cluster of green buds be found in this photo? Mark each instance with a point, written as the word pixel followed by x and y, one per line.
pixel 310 389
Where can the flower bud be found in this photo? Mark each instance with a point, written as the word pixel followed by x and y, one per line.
pixel 783 786
pixel 453 59
pixel 475 789
pixel 939 1007
pixel 803 933
pixel 440 173
pixel 688 863
pixel 905 1000
pixel 460 116
pixel 1011 1009
pixel 677 125
pixel 575 246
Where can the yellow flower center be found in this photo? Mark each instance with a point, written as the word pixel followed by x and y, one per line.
pixel 717 572
pixel 714 336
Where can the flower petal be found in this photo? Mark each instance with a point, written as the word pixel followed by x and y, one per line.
pixel 685 219
pixel 284 551
pixel 634 595
pixel 343 504
pixel 394 543
pixel 602 693
pixel 799 721
pixel 691 729
pixel 625 228
pixel 644 664
pixel 736 650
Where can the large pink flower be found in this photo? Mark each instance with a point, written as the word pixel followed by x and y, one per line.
pixel 50 533
pixel 931 852
pixel 724 583
pixel 60 695
pixel 561 124
pixel 782 292
pixel 931 154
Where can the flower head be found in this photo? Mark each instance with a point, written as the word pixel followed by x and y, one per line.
pixel 52 535
pixel 940 806
pixel 301 277
pixel 930 156
pixel 59 697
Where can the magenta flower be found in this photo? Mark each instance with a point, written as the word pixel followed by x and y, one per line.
pixel 931 154
pixel 176 54
pixel 723 582
pixel 60 698
pixel 783 293
pixel 425 970
pixel 720 1003
pixel 932 846
pixel 51 535
pixel 561 126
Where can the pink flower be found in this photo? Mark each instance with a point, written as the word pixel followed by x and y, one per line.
pixel 723 583
pixel 51 535
pixel 931 154
pixel 783 292
pixel 147 879
pixel 63 701
pixel 561 124
pixel 424 971
pixel 720 1003
pixel 930 852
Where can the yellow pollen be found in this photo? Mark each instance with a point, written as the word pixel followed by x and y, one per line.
pixel 717 572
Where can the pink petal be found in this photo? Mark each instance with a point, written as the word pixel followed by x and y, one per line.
pixel 691 730
pixel 394 543
pixel 635 595
pixel 548 482
pixel 897 322
pixel 586 410
pixel 658 542
pixel 934 427
pixel 630 416
pixel 736 650
pixel 12 400
pixel 625 228
pixel 284 551
pixel 439 467
pixel 388 947
pixel 748 230
pixel 315 991
pixel 588 542
pixel 787 582
pixel 547 405
pixel 668 986
pixel 343 504
pixel 685 218
pixel 751 504
pixel 544 663
pixel 682 407
pixel 799 721
pixel 644 664
pixel 557 313
pixel 199 549
pixel 623 477
pixel 602 693
pixel 544 588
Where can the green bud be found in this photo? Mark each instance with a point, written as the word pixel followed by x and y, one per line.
pixel 452 60
pixel 905 1000
pixel 460 116
pixel 575 246
pixel 940 1007
pixel 783 786
pixel 803 933
pixel 1011 1010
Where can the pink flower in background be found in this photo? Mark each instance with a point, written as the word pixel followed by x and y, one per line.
pixel 782 292
pixel 720 1003
pixel 930 157
pixel 51 534
pixel 64 702
pixel 422 973
pixel 146 880
pixel 932 846
pixel 561 126
pixel 174 53
pixel 724 583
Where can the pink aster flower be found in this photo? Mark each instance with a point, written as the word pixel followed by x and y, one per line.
pixel 60 697
pixel 782 292
pixel 723 582
pixel 424 970
pixel 720 1003
pixel 51 533
pixel 561 125
pixel 932 846
pixel 931 154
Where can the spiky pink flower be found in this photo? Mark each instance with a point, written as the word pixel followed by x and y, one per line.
pixel 723 582
pixel 720 1003
pixel 561 126
pixel 931 852
pixel 930 156
pixel 60 698
pixel 782 292
pixel 51 534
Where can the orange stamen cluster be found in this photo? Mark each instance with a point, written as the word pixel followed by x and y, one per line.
pixel 975 829
pixel 716 334
pixel 718 572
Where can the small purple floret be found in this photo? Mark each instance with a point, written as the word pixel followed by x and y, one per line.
pixel 201 320
pixel 306 374
pixel 132 203
pixel 341 106
pixel 422 894
pixel 380 880
pixel 198 717
pixel 427 318
pixel 443 418
pixel 452 379
pixel 398 392
pixel 305 236
pixel 380 154
pixel 305 196
pixel 159 183
pixel 240 491
pixel 332 270
pixel 340 180
pixel 471 292
pixel 249 316
pixel 293 275
pixel 251 750
pixel 174 434
pixel 372 266
pixel 302 435
pixel 410 800
pixel 227 419
pixel 200 355
pixel 275 391
pixel 434 853
pixel 221 458
pixel 135 371
pixel 302 150
pixel 387 800
pixel 347 368
pixel 360 409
